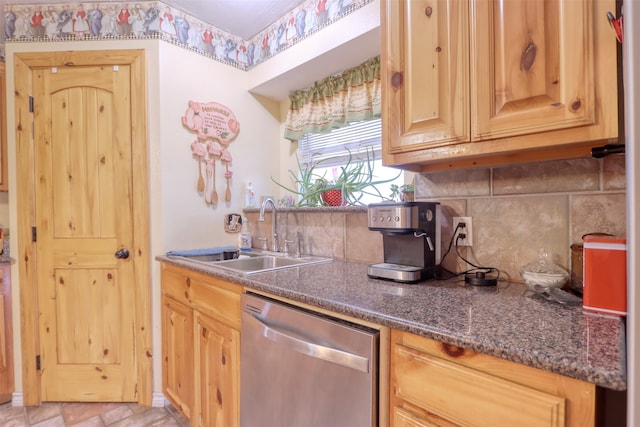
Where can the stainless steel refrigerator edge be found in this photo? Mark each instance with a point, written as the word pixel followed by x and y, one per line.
pixel 631 66
pixel 305 369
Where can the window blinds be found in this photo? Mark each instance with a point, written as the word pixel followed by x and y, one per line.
pixel 333 148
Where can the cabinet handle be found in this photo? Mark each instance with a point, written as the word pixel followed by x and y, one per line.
pixel 428 11
pixel 349 360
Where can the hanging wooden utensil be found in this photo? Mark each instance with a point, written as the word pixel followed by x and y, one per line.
pixel 200 185
pixel 200 153
pixel 214 192
pixel 207 194
pixel 227 194
pixel 214 152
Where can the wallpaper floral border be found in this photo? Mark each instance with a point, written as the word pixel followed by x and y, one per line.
pixel 154 19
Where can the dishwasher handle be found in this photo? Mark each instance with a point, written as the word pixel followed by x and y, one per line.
pixel 318 351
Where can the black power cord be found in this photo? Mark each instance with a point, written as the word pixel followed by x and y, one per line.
pixel 476 276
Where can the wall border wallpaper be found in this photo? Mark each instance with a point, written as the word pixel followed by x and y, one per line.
pixel 156 20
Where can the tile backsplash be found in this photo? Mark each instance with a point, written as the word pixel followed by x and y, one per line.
pixel 516 210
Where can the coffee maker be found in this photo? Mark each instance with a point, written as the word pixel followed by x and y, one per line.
pixel 410 237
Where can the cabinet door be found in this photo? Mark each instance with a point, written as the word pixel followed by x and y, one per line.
pixel 532 66
pixel 6 336
pixel 425 74
pixel 177 355
pixel 460 395
pixel 218 379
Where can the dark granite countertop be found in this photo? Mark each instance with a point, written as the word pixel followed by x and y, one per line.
pixel 503 321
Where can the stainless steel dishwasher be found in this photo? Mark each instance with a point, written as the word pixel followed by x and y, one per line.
pixel 303 369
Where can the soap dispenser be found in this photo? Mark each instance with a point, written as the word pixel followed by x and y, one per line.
pixel 250 196
pixel 245 235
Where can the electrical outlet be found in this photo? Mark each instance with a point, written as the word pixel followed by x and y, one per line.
pixel 467 231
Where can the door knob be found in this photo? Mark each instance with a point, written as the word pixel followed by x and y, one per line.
pixel 122 253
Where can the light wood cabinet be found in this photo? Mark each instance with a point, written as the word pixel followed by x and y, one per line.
pixel 177 355
pixel 434 384
pixel 4 184
pixel 6 336
pixel 217 358
pixel 201 346
pixel 487 82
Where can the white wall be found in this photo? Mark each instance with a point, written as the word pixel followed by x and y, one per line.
pixel 187 221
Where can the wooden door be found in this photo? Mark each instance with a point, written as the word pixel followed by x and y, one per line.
pixel 84 226
pixel 4 184
pixel 533 66
pixel 177 355
pixel 217 357
pixel 425 74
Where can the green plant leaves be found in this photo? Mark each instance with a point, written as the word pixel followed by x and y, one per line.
pixel 355 179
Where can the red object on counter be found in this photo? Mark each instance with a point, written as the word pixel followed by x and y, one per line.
pixel 605 275
pixel 333 198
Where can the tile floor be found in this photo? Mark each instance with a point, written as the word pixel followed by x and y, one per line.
pixel 90 415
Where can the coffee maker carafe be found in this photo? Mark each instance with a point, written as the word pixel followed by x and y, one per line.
pixel 410 237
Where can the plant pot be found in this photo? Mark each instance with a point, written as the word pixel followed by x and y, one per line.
pixel 406 196
pixel 333 198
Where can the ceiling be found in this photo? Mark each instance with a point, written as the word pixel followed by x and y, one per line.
pixel 242 18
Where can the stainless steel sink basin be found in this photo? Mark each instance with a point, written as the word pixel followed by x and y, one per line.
pixel 255 262
pixel 266 263
pixel 215 257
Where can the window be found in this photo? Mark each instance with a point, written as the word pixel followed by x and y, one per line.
pixel 356 139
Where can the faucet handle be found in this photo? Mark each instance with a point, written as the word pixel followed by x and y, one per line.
pixel 299 245
pixel 264 243
pixel 286 246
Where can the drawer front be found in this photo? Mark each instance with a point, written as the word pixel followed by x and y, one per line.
pixel 177 286
pixel 404 418
pixel 216 298
pixel 220 303
pixel 469 397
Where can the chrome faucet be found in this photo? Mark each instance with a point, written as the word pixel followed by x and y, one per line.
pixel 274 223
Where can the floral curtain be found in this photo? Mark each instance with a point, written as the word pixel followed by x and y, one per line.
pixel 333 102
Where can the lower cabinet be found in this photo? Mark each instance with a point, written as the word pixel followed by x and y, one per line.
pixel 177 355
pixel 201 346
pixel 6 334
pixel 218 361
pixel 435 384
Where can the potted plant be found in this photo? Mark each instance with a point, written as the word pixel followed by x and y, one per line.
pixel 407 193
pixel 403 193
pixel 347 187
pixel 395 192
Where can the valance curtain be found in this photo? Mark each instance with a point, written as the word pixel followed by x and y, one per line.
pixel 333 102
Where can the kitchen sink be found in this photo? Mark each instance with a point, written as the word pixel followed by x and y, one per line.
pixel 255 262
pixel 214 257
pixel 266 263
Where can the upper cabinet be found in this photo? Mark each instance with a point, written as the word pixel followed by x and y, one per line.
pixel 488 82
pixel 4 185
